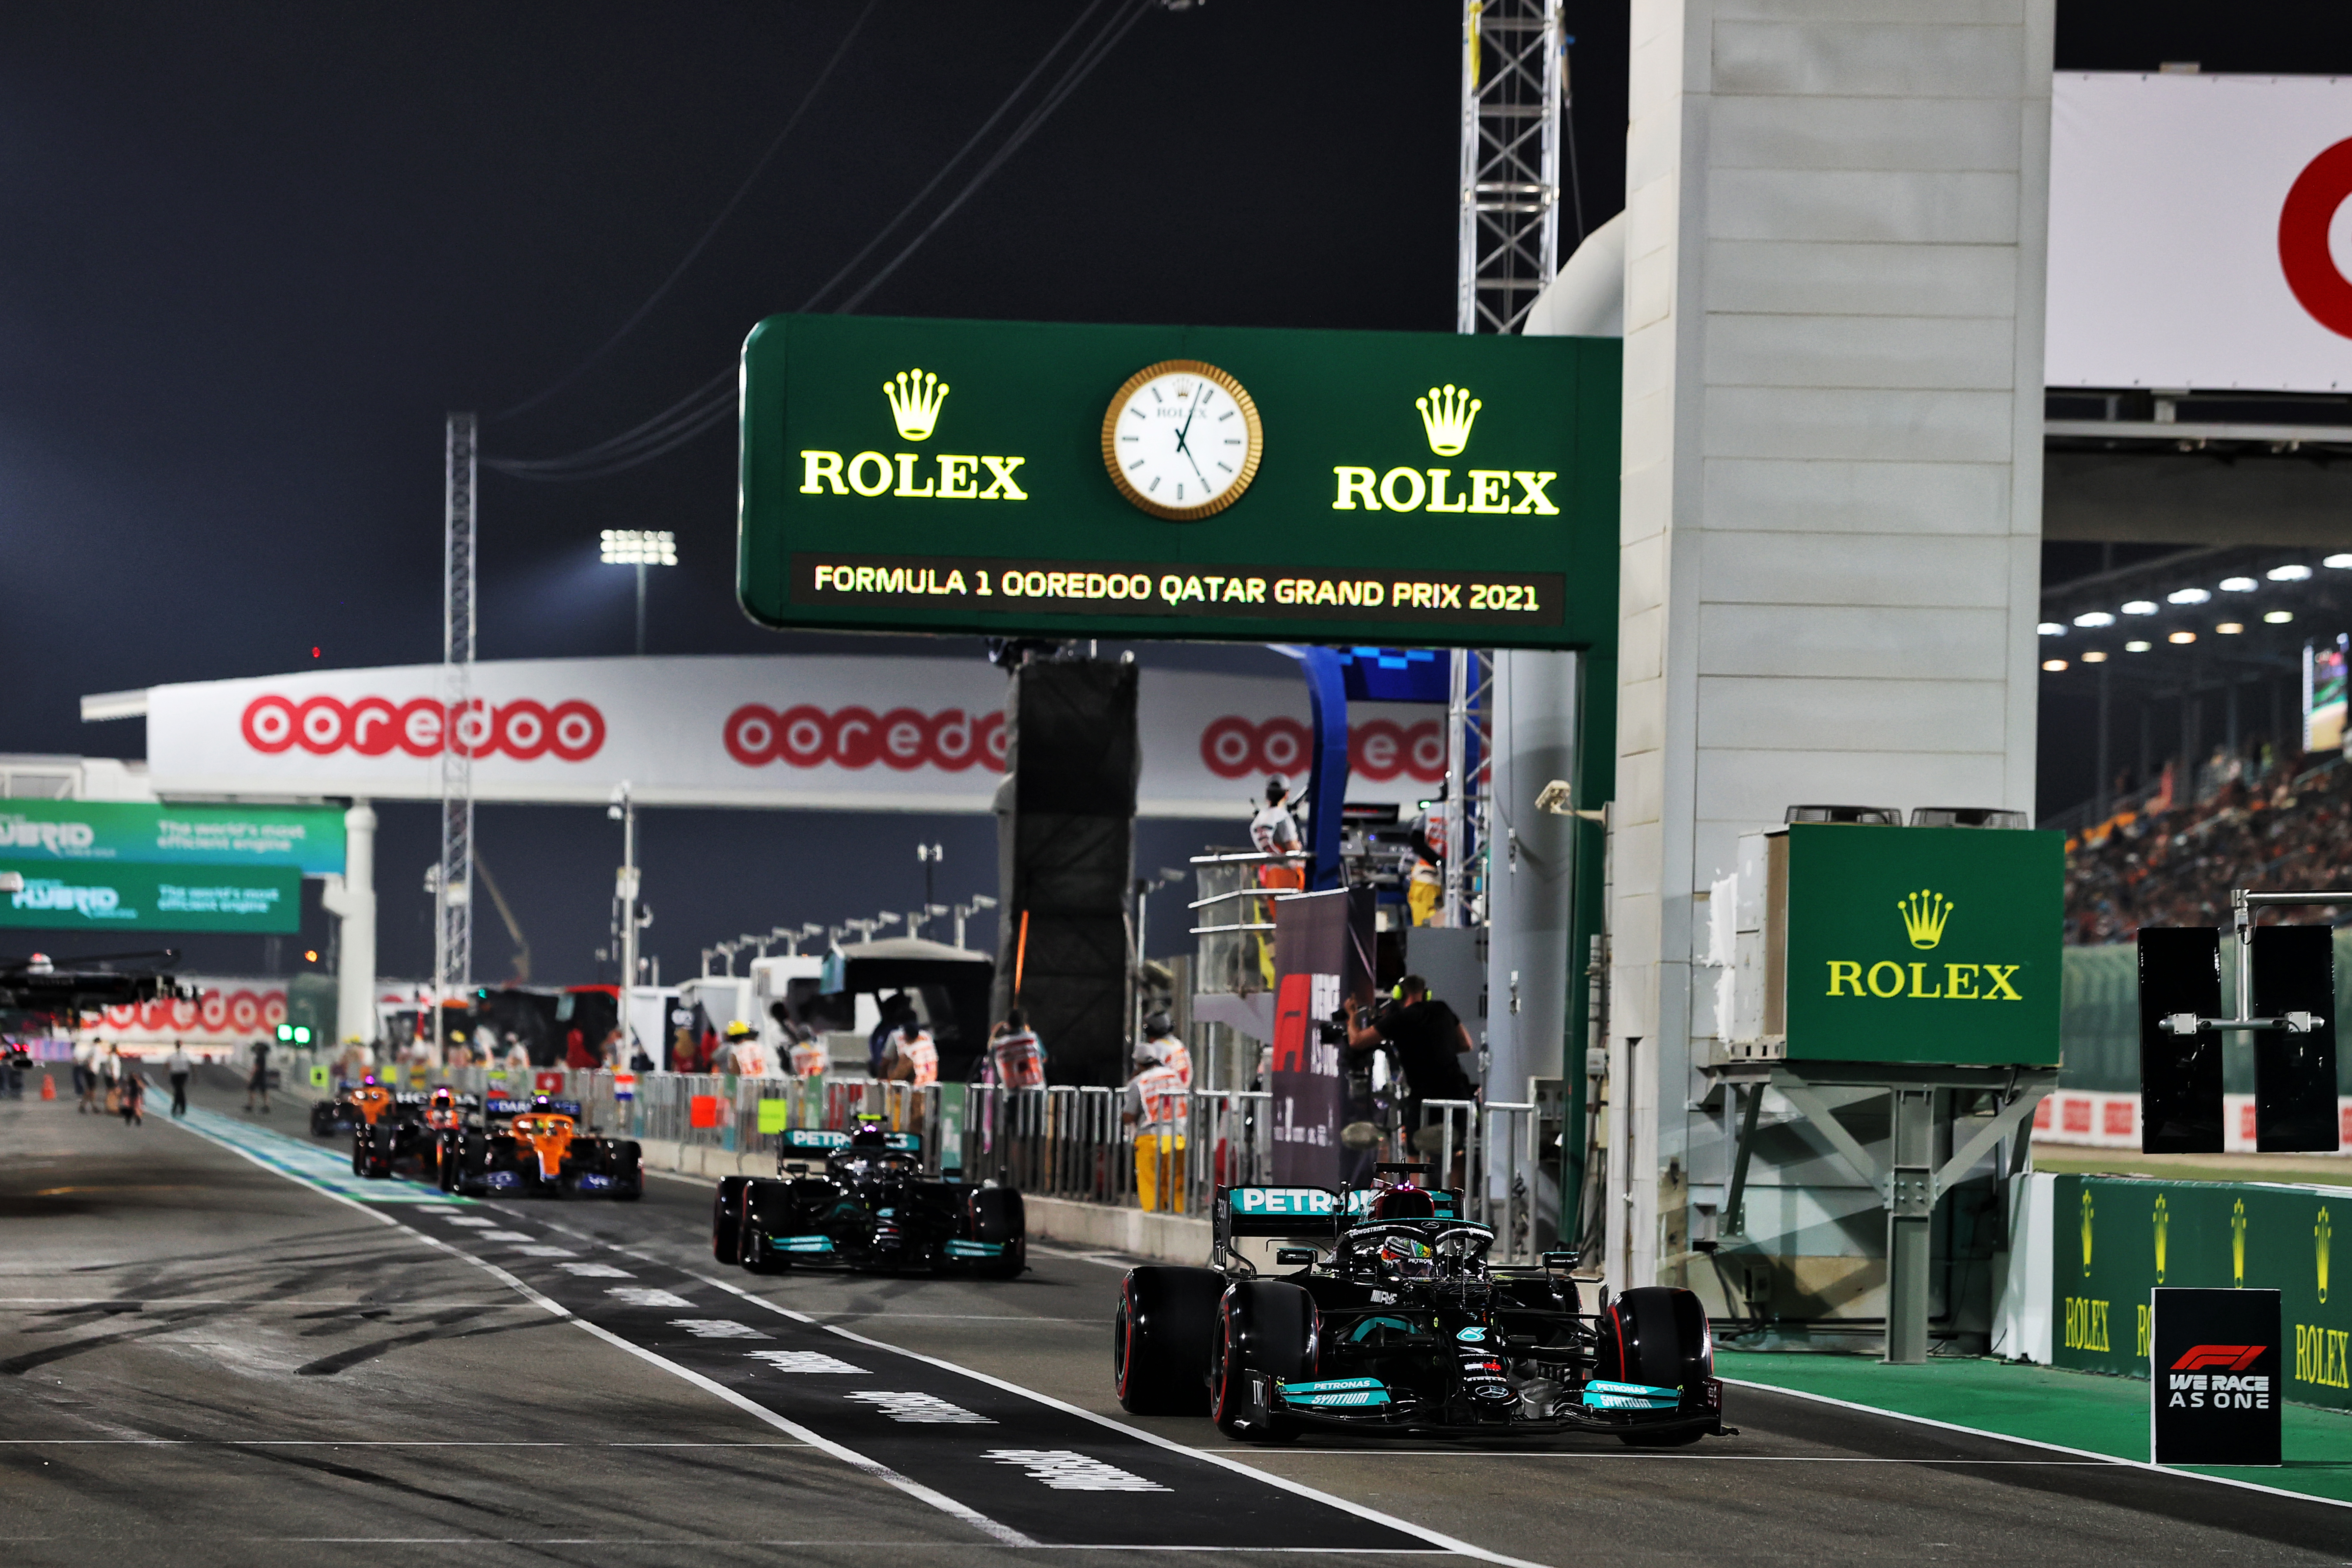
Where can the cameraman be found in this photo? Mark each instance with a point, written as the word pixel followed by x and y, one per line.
pixel 1429 1041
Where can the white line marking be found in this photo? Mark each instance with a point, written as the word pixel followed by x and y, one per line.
pixel 503 1235
pixel 808 1362
pixel 547 1252
pixel 716 1328
pixel 470 1220
pixel 2035 1443
pixel 1281 1483
pixel 595 1271
pixel 646 1296
pixel 1656 1459
pixel 912 1488
pixel 923 1409
pixel 1067 1470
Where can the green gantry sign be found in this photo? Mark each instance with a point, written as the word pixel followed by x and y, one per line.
pixel 1199 482
pixel 1923 944
pixel 2118 1238
pixel 101 895
pixel 308 839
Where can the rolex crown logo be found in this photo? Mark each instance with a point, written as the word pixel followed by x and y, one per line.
pixel 915 397
pixel 1924 914
pixel 1447 414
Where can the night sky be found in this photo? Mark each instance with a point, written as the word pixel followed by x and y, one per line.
pixel 253 253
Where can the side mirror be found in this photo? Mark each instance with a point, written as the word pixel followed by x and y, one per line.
pixel 797 1169
pixel 1294 1258
pixel 1562 1259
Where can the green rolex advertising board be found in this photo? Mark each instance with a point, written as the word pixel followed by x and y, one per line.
pixel 1198 482
pixel 2118 1238
pixel 1923 944
pixel 308 839
pixel 96 895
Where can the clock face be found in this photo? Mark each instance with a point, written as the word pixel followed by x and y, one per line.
pixel 1182 440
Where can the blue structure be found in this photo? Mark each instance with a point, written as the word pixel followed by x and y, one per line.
pixel 1326 780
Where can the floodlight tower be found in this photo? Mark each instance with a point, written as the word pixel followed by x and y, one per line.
pixel 453 926
pixel 640 548
pixel 1513 82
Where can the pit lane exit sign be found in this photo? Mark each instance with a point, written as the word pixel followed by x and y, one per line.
pixel 1003 477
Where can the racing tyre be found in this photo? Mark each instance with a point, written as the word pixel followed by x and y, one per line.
pixel 726 1219
pixel 359 1151
pixel 1657 1335
pixel 323 1121
pixel 1161 1338
pixel 754 1253
pixel 1265 1328
pixel 628 1170
pixel 999 1216
pixel 444 1166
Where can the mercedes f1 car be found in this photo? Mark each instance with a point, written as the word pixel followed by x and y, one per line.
pixel 872 1208
pixel 536 1147
pixel 1394 1322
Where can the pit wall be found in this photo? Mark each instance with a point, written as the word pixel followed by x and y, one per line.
pixel 2089 1249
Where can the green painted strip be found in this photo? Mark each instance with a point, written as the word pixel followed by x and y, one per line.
pixel 325 1166
pixel 2042 1405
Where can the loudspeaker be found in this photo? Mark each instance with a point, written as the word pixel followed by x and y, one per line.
pixel 1066 861
pixel 2179 1075
pixel 2294 1074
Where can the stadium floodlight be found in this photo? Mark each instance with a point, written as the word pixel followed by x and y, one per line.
pixel 2052 629
pixel 2182 637
pixel 2187 596
pixel 2094 657
pixel 2140 608
pixel 2239 584
pixel 2054 665
pixel 2341 563
pixel 2279 617
pixel 2292 572
pixel 2137 646
pixel 640 548
pixel 2229 628
pixel 2095 618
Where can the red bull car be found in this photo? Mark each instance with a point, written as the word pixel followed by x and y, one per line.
pixel 1393 1323
pixel 872 1208
pixel 536 1147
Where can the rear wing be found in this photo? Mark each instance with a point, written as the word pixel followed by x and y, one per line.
pixel 1302 1213
pixel 500 1107
pixel 800 1139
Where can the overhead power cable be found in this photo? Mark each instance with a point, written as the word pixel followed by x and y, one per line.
pixel 741 190
pixel 712 404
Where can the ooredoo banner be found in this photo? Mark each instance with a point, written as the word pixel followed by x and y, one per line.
pixel 875 734
pixel 2194 240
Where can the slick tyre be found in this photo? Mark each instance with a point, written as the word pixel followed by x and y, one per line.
pixel 628 1171
pixel 1657 1335
pixel 1161 1338
pixel 726 1219
pixel 999 1216
pixel 1265 1328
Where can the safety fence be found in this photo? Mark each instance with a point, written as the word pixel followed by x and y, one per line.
pixel 1090 1144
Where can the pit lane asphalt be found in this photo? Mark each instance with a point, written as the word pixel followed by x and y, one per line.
pixel 205 1361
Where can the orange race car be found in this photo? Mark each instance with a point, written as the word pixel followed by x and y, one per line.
pixel 537 1146
pixel 404 1132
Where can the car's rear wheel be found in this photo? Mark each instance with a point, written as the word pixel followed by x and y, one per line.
pixel 1265 1328
pixel 628 1170
pixel 726 1219
pixel 1161 1338
pixel 1657 1335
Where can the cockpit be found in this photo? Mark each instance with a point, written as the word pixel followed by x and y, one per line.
pixel 1415 1250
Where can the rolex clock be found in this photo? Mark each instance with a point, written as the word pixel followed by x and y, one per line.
pixel 1182 440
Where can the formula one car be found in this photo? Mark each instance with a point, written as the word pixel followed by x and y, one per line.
pixel 339 1114
pixel 872 1209
pixel 407 1138
pixel 1394 1323
pixel 536 1147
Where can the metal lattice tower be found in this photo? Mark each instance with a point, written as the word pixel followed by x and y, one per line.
pixel 453 935
pixel 1512 82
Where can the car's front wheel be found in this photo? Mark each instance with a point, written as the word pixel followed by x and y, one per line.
pixel 1266 1328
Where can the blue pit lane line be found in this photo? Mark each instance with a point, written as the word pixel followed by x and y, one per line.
pixel 1021 1468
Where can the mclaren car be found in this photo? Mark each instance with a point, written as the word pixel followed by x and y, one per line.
pixel 537 1147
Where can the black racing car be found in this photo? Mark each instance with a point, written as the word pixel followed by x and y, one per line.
pixel 872 1208
pixel 407 1137
pixel 337 1114
pixel 536 1147
pixel 1394 1322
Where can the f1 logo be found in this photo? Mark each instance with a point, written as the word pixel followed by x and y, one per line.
pixel 2231 1357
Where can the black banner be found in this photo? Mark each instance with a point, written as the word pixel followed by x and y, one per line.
pixel 2214 1365
pixel 983 584
pixel 2294 1074
pixel 2179 1075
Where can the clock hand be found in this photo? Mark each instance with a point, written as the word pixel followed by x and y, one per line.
pixel 1201 397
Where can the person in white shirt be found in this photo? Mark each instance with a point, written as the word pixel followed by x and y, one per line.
pixel 179 1065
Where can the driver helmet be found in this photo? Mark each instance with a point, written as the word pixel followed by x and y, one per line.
pixel 869 1135
pixel 1407 1258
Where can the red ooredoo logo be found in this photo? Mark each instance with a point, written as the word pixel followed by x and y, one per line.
pixel 1378 749
pixel 807 737
pixel 374 726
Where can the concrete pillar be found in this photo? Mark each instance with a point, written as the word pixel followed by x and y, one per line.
pixel 1531 880
pixel 1830 511
pixel 355 976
